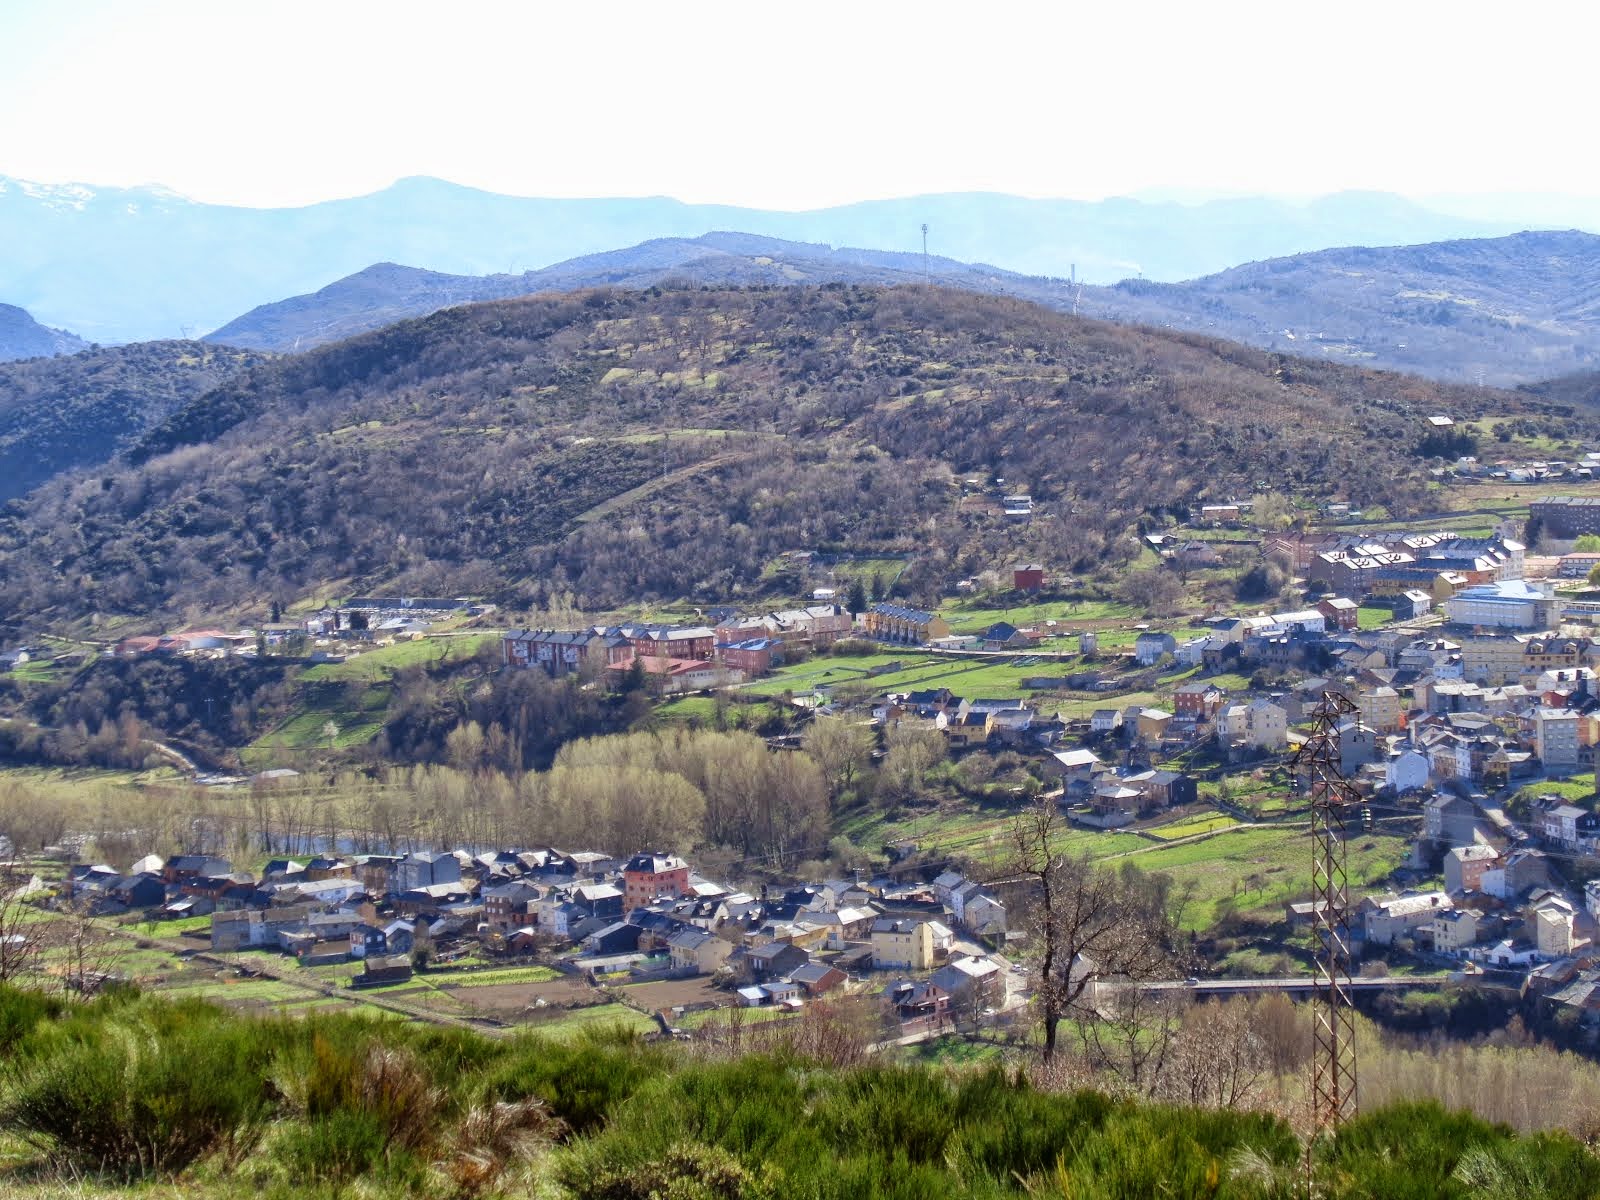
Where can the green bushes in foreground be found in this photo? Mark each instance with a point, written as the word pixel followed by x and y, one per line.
pixel 130 1088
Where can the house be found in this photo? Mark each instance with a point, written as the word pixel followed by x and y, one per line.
pixel 1464 867
pixel 1197 701
pixel 399 937
pixel 1380 708
pixel 1105 720
pixel 1340 613
pixel 754 657
pixel 143 890
pixel 366 940
pixel 183 867
pixel 1406 771
pixel 902 943
pixel 1152 725
pixel 603 900
pixel 1077 767
pixel 1564 825
pixel 509 906
pixel 1267 725
pixel 384 970
pixel 767 960
pixel 971 983
pixel 1386 918
pixel 1027 577
pixel 651 877
pixel 1149 646
pixel 619 937
pixel 419 870
pixel 1411 604
pixel 1453 932
pixel 1003 635
pixel 817 979
pixel 1554 921
pixel 905 626
pixel 697 952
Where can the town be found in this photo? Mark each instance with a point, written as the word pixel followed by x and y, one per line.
pixel 1470 663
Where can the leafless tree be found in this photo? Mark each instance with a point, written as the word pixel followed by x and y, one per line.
pixel 21 931
pixel 1086 923
pixel 1218 1059
pixel 1132 1035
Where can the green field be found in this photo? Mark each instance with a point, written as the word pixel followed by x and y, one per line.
pixel 975 616
pixel 382 664
pixel 469 979
pixel 1190 826
pixel 574 1021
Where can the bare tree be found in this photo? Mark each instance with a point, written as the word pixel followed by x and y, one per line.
pixel 1218 1059
pixel 1132 1034
pixel 21 931
pixel 1086 923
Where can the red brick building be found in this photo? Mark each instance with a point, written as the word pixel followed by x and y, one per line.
pixel 698 643
pixel 1340 612
pixel 753 657
pixel 1029 577
pixel 651 877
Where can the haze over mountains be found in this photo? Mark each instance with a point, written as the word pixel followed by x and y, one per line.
pixel 127 264
pixel 1504 310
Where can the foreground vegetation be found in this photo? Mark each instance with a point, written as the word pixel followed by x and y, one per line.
pixel 124 1091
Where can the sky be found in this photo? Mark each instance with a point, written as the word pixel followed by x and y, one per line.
pixel 796 106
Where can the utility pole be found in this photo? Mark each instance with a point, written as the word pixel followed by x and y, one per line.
pixel 1333 1062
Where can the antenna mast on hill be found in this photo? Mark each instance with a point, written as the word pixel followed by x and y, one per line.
pixel 1333 1061
pixel 927 275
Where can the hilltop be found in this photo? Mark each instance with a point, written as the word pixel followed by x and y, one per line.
pixel 78 410
pixel 624 445
pixel 129 264
pixel 387 292
pixel 1508 310
pixel 23 337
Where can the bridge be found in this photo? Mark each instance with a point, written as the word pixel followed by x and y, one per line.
pixel 1300 984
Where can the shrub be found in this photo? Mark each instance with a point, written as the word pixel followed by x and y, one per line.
pixel 582 1080
pixel 20 1013
pixel 688 1171
pixel 142 1092
pixel 334 1149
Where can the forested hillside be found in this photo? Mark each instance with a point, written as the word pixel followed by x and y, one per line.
pixel 80 409
pixel 506 449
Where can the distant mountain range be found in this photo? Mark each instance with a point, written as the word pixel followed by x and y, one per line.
pixel 128 264
pixel 23 337
pixel 1504 310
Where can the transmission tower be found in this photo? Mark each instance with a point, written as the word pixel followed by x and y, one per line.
pixel 927 274
pixel 1333 1062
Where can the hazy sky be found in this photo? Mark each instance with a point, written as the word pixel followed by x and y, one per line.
pixel 798 105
